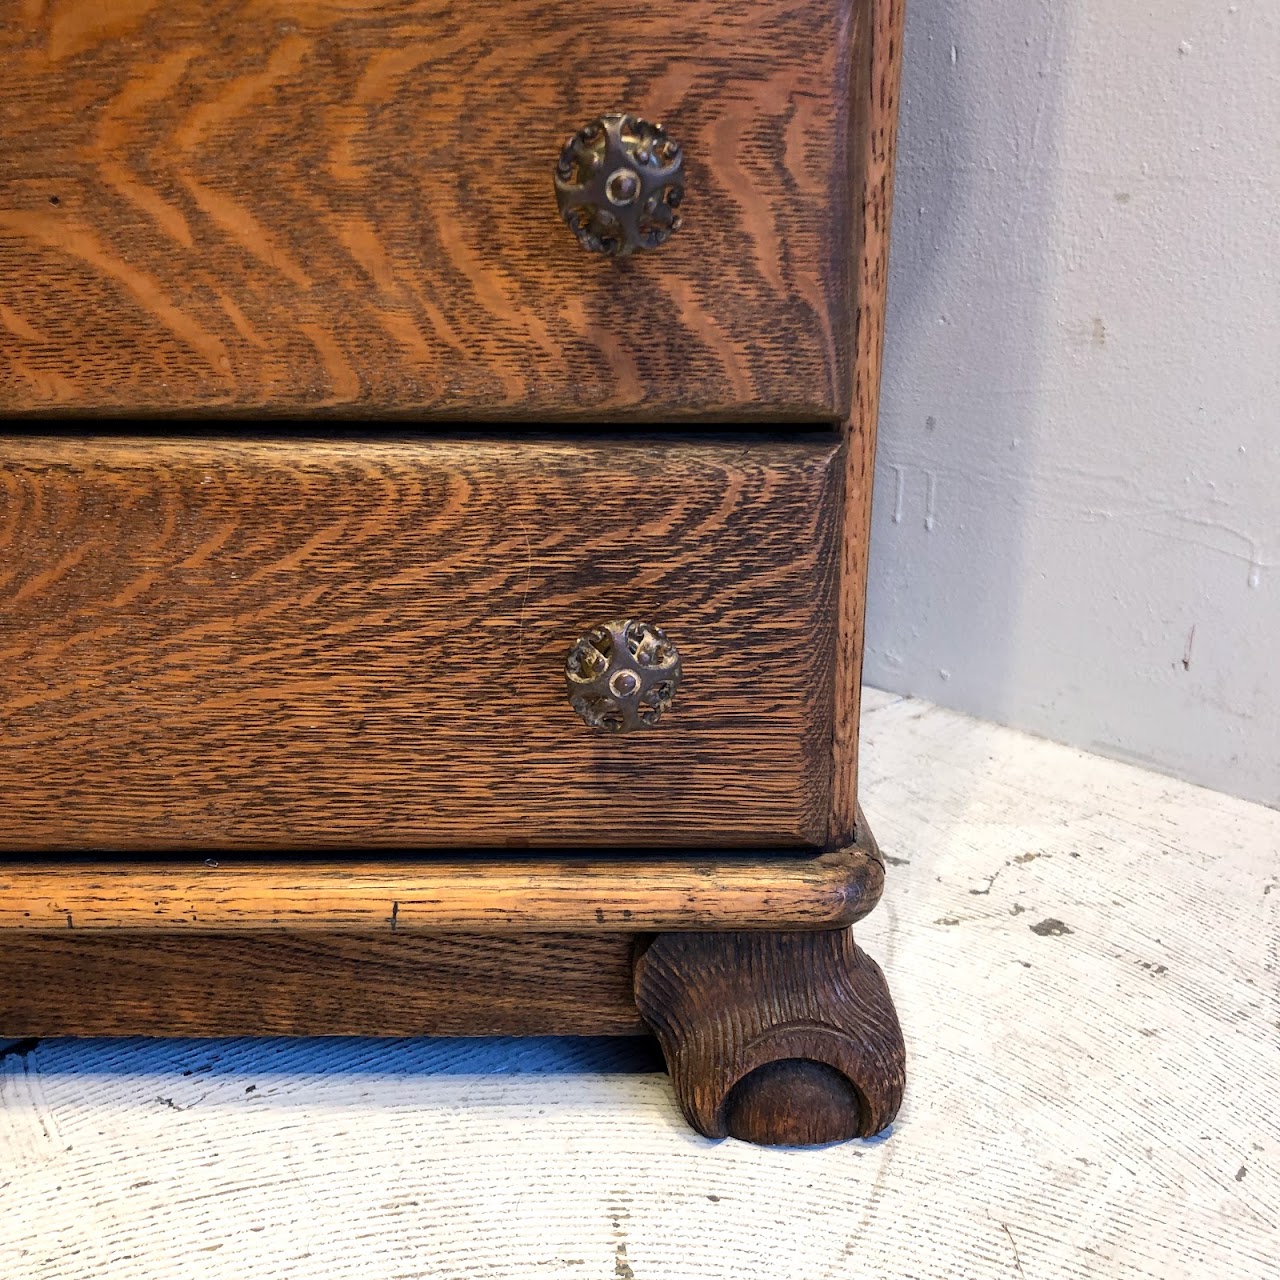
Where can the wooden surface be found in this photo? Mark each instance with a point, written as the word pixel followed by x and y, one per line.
pixel 599 893
pixel 348 207
pixel 786 1039
pixel 256 643
pixel 267 983
pixel 876 122
pixel 1098 1104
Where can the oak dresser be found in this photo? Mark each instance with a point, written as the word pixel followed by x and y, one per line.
pixel 433 551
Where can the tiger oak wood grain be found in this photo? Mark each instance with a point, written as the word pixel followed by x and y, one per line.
pixel 282 643
pixel 596 892
pixel 877 123
pixel 347 207
pixel 122 983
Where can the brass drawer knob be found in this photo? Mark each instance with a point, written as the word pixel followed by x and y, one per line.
pixel 619 184
pixel 622 675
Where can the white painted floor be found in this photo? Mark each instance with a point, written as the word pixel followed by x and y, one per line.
pixel 1085 960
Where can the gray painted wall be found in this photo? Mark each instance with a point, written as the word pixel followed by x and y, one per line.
pixel 1077 519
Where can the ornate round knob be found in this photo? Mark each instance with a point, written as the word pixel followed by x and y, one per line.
pixel 619 183
pixel 622 675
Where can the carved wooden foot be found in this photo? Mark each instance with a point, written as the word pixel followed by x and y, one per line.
pixel 776 1038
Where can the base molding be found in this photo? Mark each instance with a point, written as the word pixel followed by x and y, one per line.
pixel 594 893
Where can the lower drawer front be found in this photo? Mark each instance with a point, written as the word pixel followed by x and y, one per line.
pixel 360 643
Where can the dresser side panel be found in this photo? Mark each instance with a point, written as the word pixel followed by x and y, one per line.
pixel 876 119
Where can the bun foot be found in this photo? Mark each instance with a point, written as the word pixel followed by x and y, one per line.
pixel 774 1038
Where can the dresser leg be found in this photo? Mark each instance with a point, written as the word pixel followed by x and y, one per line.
pixel 776 1038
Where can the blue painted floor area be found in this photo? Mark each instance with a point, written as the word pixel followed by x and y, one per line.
pixel 296 1058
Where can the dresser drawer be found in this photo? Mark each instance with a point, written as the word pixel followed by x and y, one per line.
pixel 286 643
pixel 349 207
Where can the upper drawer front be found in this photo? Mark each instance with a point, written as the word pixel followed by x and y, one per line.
pixel 292 644
pixel 278 205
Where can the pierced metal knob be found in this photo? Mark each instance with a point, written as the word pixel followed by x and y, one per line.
pixel 619 183
pixel 622 675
